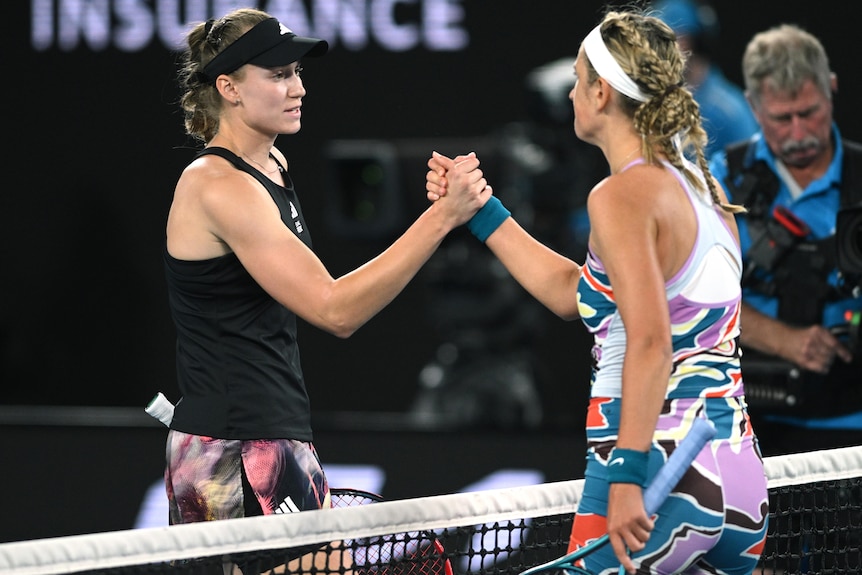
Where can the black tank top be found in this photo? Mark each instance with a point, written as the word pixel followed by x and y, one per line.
pixel 238 365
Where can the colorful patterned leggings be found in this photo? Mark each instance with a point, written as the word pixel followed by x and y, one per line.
pixel 715 520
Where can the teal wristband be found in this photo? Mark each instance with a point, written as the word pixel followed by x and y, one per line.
pixel 628 466
pixel 488 219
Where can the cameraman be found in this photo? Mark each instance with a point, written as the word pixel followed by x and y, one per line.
pixel 793 176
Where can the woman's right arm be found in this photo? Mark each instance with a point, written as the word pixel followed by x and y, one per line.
pixel 240 213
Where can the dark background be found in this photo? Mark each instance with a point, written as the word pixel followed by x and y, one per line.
pixel 94 145
pixel 84 319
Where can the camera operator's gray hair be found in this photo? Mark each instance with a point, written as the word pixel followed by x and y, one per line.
pixel 785 56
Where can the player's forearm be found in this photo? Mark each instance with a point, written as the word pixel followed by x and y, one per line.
pixel 361 294
pixel 548 276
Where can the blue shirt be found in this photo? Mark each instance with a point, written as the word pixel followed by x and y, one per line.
pixel 724 111
pixel 817 206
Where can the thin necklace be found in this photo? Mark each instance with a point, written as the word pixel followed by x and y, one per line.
pixel 261 166
pixel 626 159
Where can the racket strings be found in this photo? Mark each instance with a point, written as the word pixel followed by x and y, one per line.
pixel 409 553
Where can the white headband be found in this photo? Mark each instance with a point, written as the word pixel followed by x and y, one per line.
pixel 608 68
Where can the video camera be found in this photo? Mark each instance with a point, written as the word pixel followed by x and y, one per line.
pixel 848 251
pixel 783 231
pixel 774 385
pixel 848 236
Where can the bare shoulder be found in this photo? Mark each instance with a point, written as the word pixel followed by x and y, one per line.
pixel 212 191
pixel 207 172
pixel 215 207
pixel 192 232
pixel 216 185
pixel 630 192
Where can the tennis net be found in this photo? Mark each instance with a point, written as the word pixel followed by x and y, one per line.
pixel 815 527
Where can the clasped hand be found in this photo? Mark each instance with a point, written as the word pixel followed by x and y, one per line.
pixel 458 177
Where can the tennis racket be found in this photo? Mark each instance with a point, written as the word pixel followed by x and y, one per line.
pixel 658 490
pixel 413 553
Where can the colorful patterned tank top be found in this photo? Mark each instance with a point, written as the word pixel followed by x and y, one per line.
pixel 704 301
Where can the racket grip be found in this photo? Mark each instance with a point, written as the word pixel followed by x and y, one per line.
pixel 679 461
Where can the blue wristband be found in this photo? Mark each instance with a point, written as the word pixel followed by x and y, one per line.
pixel 628 466
pixel 488 219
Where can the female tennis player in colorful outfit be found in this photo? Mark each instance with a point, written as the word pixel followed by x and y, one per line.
pixel 240 269
pixel 660 291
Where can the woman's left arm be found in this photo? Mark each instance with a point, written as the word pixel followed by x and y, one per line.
pixel 624 235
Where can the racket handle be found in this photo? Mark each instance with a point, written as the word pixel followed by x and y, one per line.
pixel 161 408
pixel 660 487
pixel 679 461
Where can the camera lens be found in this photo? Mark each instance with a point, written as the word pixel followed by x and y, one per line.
pixel 848 236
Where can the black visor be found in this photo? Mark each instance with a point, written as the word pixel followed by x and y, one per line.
pixel 267 44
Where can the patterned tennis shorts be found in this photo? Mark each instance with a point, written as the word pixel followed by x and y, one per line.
pixel 208 478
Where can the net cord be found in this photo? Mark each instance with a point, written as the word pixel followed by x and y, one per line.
pixel 159 544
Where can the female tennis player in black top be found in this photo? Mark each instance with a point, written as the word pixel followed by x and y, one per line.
pixel 240 269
